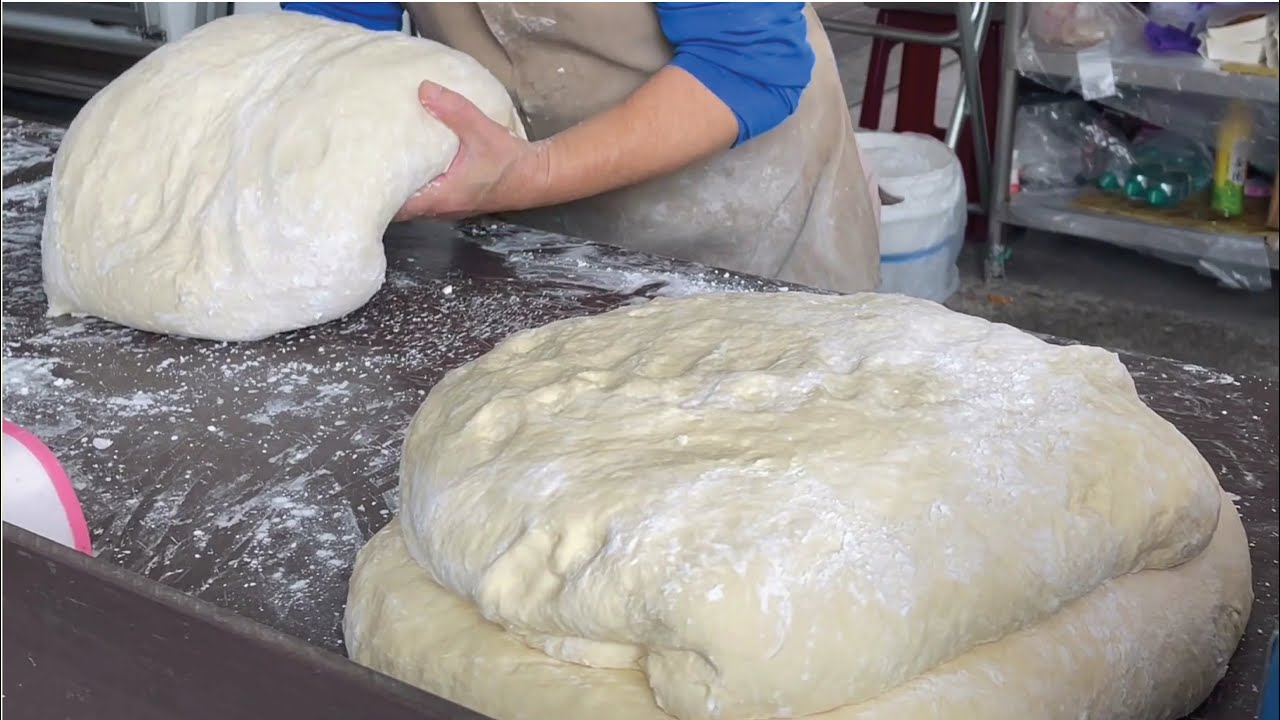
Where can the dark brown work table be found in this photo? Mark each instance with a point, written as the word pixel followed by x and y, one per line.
pixel 248 475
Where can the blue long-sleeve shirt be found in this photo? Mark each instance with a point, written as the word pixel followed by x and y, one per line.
pixel 755 57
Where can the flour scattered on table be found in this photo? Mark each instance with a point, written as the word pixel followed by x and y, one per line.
pixel 25 147
pixel 1211 377
pixel 24 376
pixel 250 474
pixel 546 258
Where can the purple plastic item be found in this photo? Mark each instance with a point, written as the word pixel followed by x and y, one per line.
pixel 1256 187
pixel 1169 39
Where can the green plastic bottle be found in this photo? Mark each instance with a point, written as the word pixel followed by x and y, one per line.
pixel 1167 169
pixel 1174 187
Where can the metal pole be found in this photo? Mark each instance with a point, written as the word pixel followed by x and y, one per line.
pixel 970 60
pixel 956 122
pixel 981 11
pixel 993 267
pixel 891 33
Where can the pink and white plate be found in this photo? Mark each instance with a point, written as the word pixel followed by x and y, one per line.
pixel 37 494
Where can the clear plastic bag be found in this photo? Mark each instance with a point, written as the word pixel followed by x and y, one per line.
pixel 1100 52
pixel 1066 26
pixel 1066 143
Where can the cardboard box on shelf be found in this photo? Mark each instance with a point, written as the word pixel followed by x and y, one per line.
pixel 1193 214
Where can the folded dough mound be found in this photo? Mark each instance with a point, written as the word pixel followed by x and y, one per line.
pixel 777 505
pixel 236 183
pixel 1147 645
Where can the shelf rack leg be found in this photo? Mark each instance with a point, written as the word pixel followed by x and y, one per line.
pixel 1002 160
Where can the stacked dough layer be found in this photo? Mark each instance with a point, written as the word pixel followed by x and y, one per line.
pixel 757 506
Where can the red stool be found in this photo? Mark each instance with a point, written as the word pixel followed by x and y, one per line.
pixel 921 65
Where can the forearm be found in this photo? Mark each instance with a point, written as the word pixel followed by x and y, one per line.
pixel 735 73
pixel 669 122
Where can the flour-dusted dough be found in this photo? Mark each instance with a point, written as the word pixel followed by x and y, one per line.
pixel 236 183
pixel 1146 646
pixel 777 505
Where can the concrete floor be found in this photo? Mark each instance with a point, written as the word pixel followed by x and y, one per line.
pixel 1072 288
pixel 1104 295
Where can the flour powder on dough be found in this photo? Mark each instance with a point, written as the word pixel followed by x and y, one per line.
pixel 236 183
pixel 778 505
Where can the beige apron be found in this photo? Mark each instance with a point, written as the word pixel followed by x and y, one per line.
pixel 792 203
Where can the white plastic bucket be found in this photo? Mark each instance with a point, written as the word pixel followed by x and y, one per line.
pixel 920 237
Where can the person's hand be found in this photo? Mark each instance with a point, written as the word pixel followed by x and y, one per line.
pixel 492 171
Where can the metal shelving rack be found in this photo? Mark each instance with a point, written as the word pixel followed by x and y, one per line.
pixel 1055 212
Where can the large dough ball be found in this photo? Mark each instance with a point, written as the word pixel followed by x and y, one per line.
pixel 777 505
pixel 236 183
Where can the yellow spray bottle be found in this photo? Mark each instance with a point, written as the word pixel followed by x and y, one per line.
pixel 1232 162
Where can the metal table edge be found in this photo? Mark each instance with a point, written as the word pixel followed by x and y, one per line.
pixel 384 696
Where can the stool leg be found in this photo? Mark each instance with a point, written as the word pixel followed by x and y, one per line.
pixel 964 153
pixel 873 90
pixel 990 65
pixel 918 82
pixel 969 64
pixel 960 129
pixel 963 135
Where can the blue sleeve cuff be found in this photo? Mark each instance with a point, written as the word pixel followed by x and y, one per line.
pixel 755 57
pixel 368 15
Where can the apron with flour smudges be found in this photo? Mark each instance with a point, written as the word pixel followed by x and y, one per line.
pixel 792 203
